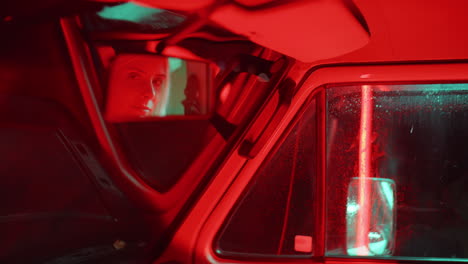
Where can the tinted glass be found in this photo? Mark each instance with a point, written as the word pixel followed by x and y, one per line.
pixel 415 136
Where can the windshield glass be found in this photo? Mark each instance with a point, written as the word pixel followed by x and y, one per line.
pixel 131 17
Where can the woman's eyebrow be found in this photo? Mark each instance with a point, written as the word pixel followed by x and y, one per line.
pixel 160 75
pixel 137 69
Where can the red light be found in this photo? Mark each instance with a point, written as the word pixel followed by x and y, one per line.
pixel 365 170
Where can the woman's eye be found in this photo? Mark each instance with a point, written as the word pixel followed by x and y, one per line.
pixel 157 82
pixel 134 75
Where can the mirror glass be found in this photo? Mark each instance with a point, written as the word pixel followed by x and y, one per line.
pixel 143 86
pixel 370 218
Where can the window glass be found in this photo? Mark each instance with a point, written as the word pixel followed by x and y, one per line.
pixel 162 151
pixel 275 215
pixel 131 17
pixel 397 175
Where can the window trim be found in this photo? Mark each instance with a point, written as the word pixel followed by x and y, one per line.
pixel 198 232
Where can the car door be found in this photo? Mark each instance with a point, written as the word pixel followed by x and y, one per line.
pixel 365 165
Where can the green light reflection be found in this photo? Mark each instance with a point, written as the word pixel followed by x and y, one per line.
pixel 128 12
pixel 388 194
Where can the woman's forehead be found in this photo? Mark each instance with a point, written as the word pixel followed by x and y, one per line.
pixel 144 63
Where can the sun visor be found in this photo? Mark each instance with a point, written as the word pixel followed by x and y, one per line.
pixel 308 30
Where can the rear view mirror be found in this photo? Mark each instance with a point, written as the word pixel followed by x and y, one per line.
pixel 143 87
pixel 370 217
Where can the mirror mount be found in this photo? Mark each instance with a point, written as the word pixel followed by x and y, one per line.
pixel 262 68
pixel 254 65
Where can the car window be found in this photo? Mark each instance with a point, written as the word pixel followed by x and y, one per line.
pixel 273 217
pixel 162 151
pixel 396 179
pixel 415 138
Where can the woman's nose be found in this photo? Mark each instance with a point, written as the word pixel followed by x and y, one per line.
pixel 148 91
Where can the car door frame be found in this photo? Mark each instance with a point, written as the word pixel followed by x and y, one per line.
pixel 193 242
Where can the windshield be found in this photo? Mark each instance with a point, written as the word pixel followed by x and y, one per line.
pixel 131 17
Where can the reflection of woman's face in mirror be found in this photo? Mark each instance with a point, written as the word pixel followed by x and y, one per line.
pixel 138 87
